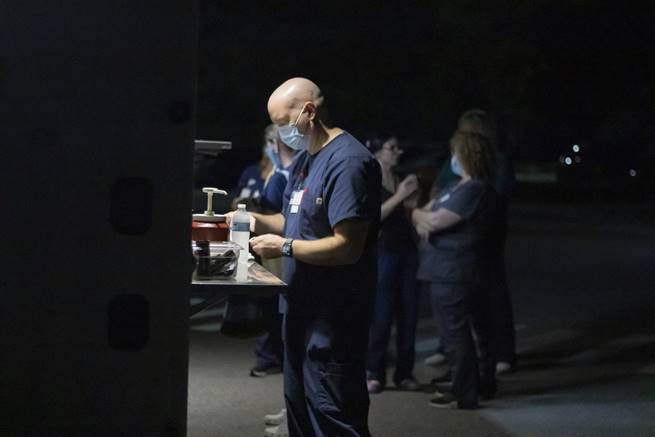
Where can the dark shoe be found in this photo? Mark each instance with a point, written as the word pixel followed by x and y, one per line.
pixel 487 395
pixel 443 400
pixel 488 390
pixel 258 372
pixel 408 384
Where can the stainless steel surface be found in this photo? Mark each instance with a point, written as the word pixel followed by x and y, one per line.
pixel 260 282
pixel 211 147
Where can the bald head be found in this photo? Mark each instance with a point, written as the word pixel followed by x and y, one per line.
pixel 292 95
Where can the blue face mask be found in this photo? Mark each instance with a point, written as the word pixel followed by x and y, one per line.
pixel 455 166
pixel 290 135
pixel 273 156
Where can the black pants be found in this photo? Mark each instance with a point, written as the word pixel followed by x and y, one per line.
pixel 325 375
pixel 463 307
pixel 501 301
pixel 396 298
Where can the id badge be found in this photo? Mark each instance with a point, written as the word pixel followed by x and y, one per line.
pixel 294 202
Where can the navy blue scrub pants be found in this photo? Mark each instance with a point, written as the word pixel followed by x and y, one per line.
pixel 268 348
pixel 463 307
pixel 325 375
pixel 396 297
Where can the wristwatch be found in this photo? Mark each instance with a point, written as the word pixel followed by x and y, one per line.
pixel 287 249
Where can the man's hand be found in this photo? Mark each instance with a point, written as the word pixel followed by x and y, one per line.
pixel 267 246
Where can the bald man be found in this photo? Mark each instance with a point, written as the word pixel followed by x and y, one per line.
pixel 326 235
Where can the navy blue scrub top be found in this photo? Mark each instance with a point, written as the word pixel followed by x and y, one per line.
pixel 251 184
pixel 340 182
pixel 457 254
pixel 273 194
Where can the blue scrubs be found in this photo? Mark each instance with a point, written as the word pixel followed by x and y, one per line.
pixel 327 309
pixel 268 348
pixel 251 184
pixel 504 182
pixel 273 194
pixel 454 261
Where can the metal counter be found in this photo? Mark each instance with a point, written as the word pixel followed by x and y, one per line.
pixel 260 282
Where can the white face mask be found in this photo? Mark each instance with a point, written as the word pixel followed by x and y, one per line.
pixel 456 166
pixel 290 135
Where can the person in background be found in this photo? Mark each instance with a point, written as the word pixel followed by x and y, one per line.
pixel 396 296
pixel 503 181
pixel 454 228
pixel 327 234
pixel 269 351
pixel 251 182
pixel 281 157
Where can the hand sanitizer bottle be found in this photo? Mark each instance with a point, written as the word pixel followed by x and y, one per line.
pixel 240 234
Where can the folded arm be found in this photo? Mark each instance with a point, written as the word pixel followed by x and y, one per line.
pixel 434 221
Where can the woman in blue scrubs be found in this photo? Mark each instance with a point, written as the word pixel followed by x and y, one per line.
pixel 503 180
pixel 268 348
pixel 454 228
pixel 396 296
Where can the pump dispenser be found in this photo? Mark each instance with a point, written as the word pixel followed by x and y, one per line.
pixel 210 197
pixel 210 226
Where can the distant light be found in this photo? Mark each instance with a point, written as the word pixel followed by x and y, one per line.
pixel 568 160
pixel 576 148
pixel 632 172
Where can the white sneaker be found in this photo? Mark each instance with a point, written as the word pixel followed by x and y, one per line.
pixel 282 430
pixel 503 367
pixel 436 359
pixel 277 418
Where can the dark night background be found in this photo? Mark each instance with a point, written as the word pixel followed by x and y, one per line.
pixel 95 145
pixel 552 73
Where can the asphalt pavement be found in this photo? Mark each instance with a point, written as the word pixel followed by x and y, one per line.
pixel 583 282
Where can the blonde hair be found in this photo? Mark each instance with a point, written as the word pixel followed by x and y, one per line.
pixel 271 129
pixel 265 164
pixel 474 152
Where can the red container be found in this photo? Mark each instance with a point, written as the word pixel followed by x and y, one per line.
pixel 209 230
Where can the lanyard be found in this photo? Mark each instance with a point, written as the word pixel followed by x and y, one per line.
pixel 304 172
